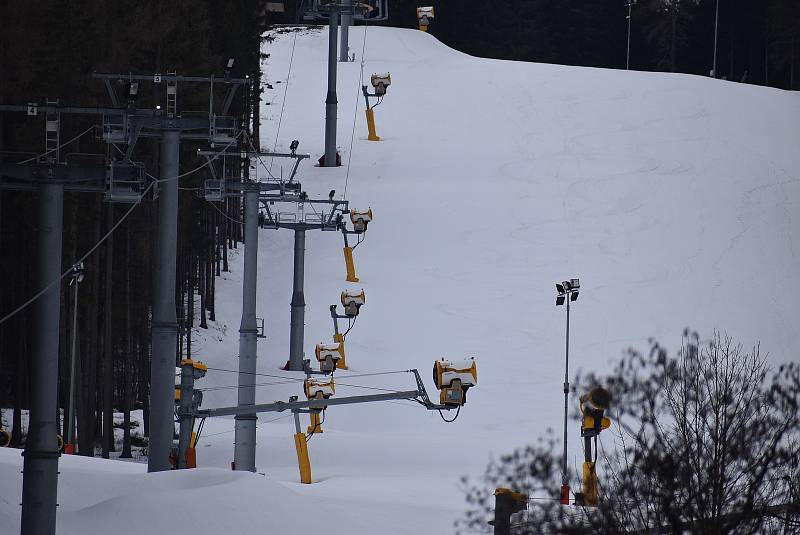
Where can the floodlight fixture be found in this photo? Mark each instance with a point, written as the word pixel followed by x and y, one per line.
pixel 133 91
pixel 230 63
pixel 573 296
pixel 559 288
pixel 293 145
pixel 559 300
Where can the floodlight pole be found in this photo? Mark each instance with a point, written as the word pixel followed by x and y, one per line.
pixel 331 101
pixel 628 55
pixel 347 21
pixel 298 302
pixel 716 35
pixel 564 477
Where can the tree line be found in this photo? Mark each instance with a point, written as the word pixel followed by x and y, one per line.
pixel 48 50
pixel 757 41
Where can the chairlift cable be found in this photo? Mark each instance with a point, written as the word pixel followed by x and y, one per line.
pixel 57 148
pixel 283 104
pixel 355 110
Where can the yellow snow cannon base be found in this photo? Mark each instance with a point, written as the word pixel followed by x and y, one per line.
pixel 373 136
pixel 348 263
pixel 302 458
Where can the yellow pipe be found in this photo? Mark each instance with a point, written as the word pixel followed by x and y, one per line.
pixel 342 364
pixel 302 458
pixel 315 426
pixel 590 491
pixel 373 136
pixel 351 267
pixel 423 27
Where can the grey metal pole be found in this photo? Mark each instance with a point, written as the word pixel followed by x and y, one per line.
pixel 331 101
pixel 298 303
pixel 184 415
pixel 628 56
pixel 244 453
pixel 716 34
pixel 165 322
pixel 40 466
pixel 564 478
pixel 347 21
pixel 71 411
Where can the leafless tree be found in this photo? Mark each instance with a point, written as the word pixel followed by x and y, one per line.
pixel 705 442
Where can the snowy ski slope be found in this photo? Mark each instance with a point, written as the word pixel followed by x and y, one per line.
pixel 674 198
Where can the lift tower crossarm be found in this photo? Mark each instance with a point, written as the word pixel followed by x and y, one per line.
pixel 280 406
pixel 419 395
pixel 35 109
pixel 169 78
pixel 267 154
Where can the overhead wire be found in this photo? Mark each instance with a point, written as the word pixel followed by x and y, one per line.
pixel 109 233
pixel 231 387
pixel 57 148
pixel 283 104
pixel 257 373
pixel 258 157
pixel 223 214
pixel 234 429
pixel 355 110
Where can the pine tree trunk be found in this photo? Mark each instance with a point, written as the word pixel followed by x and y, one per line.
pixel 225 237
pixel 126 404
pixel 88 418
pixel 202 280
pixel 108 345
pixel 211 254
pixel 673 45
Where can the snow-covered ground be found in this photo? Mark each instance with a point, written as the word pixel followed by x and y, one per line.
pixel 674 199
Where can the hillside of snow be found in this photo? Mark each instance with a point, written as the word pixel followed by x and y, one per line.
pixel 674 198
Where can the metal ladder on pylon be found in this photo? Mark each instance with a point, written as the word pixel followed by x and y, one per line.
pixel 172 95
pixel 52 132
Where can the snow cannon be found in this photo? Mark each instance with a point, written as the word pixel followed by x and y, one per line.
pixel 318 389
pixel 453 379
pixel 593 407
pixel 360 220
pixel 380 82
pixel 352 302
pixel 424 17
pixel 329 355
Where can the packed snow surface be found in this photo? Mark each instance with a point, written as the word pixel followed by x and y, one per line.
pixel 673 198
